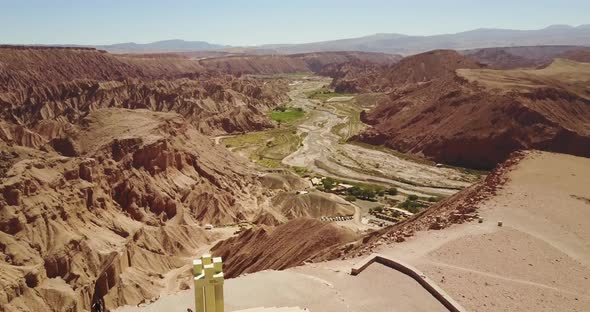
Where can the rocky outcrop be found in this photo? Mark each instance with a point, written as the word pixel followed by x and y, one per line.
pixel 114 218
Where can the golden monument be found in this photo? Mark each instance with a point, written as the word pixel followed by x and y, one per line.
pixel 208 278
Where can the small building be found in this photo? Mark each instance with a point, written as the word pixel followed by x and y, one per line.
pixel 439 165
pixel 208 226
pixel 316 181
pixel 302 192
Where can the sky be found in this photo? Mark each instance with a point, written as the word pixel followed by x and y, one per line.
pixel 254 22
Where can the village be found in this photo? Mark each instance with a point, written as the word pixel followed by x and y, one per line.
pixel 378 206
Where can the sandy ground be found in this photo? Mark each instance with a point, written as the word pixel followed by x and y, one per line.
pixel 171 278
pixel 538 261
pixel 318 288
pixel 323 153
pixel 340 99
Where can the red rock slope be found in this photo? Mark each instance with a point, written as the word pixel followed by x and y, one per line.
pixel 443 107
pixel 279 248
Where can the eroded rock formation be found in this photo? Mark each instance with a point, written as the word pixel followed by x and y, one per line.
pixel 106 177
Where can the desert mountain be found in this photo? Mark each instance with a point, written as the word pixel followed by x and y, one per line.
pixel 294 63
pixel 106 175
pixel 43 91
pixel 382 42
pixel 531 56
pixel 445 106
pixel 474 39
pixel 174 45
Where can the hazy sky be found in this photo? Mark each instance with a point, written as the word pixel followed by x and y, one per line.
pixel 250 22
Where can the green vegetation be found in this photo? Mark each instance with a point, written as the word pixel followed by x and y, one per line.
pixel 361 193
pixel 269 148
pixel 301 171
pixel 325 94
pixel 433 199
pixel 266 148
pixel 392 191
pixel 413 203
pixel 376 210
pixel 350 198
pixel 329 183
pixel 411 206
pixel 358 190
pixel 286 116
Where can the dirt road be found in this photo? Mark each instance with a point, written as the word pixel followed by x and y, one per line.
pixel 323 153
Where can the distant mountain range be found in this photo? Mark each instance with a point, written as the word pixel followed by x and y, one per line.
pixel 386 43
pixel 479 38
pixel 174 45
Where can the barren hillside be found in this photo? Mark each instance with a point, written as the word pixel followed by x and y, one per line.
pixel 44 92
pixel 293 63
pixel 464 116
pixel 279 248
pixel 520 57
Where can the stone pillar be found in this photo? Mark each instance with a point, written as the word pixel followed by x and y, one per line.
pixel 208 280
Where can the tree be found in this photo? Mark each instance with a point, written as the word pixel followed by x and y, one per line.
pixel 376 210
pixel 413 197
pixel 368 194
pixel 392 191
pixel 328 183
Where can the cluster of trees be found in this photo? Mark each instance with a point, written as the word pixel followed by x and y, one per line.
pixel 283 108
pixel 392 191
pixel 329 184
pixel 358 192
pixel 364 193
pixel 412 205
